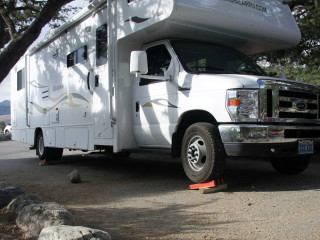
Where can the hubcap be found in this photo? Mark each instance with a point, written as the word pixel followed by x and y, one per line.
pixel 41 146
pixel 197 153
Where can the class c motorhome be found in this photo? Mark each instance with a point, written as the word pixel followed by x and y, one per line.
pixel 131 75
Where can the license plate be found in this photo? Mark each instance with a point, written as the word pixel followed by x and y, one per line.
pixel 305 147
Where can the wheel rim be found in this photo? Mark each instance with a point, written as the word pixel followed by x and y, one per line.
pixel 41 146
pixel 197 153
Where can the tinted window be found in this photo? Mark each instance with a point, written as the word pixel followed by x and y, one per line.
pixel 78 56
pixel 21 83
pixel 102 45
pixel 158 60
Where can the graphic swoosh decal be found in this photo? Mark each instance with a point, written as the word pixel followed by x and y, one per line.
pixel 63 99
pixel 36 84
pixel 159 102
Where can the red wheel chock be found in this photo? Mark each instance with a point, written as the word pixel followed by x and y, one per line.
pixel 209 187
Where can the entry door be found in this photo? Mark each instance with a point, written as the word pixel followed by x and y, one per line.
pixel 101 93
pixel 154 103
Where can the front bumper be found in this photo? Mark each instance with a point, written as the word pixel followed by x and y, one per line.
pixel 266 140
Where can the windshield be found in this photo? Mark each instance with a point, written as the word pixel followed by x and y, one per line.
pixel 202 57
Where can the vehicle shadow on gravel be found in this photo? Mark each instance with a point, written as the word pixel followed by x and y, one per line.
pixel 259 176
pixel 163 221
pixel 241 175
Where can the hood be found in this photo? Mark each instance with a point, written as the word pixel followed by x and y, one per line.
pixel 213 82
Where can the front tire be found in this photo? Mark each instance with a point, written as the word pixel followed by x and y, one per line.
pixel 50 154
pixel 287 165
pixel 203 155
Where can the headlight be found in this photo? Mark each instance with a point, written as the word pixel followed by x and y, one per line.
pixel 243 105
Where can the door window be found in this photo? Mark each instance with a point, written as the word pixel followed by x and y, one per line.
pixel 21 82
pixel 102 45
pixel 158 62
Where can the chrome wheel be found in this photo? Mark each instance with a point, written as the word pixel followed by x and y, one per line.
pixel 197 153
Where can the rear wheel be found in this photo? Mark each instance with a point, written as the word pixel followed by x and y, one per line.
pixel 203 155
pixel 287 165
pixel 50 154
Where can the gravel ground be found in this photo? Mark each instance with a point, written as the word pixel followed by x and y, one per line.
pixel 145 196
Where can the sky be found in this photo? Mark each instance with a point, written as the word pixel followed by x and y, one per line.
pixel 5 87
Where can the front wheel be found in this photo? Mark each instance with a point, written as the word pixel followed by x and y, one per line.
pixel 50 154
pixel 203 155
pixel 293 165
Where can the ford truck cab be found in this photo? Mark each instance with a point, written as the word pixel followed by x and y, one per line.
pixel 221 103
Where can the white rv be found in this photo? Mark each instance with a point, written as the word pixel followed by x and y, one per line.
pixel 137 75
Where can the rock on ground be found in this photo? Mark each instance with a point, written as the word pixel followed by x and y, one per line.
pixel 17 204
pixel 8 193
pixel 33 218
pixel 72 232
pixel 74 176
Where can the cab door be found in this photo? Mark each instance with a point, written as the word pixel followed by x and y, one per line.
pixel 155 98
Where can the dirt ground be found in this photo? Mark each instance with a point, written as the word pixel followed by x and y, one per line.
pixel 8 228
pixel 146 197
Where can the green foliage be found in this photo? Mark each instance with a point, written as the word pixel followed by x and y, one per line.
pixel 2 125
pixel 307 15
pixel 300 62
pixel 309 74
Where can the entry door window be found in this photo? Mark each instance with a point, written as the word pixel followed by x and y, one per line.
pixel 102 45
pixel 21 82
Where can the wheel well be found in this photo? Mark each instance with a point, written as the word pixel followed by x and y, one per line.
pixel 184 122
pixel 37 131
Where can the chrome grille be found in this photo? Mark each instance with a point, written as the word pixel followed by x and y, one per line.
pixel 289 101
pixel 294 104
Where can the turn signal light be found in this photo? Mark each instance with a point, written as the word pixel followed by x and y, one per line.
pixel 234 102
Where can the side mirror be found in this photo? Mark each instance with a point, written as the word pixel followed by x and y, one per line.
pixel 138 63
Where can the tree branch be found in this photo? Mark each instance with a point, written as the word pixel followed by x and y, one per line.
pixel 10 25
pixel 19 45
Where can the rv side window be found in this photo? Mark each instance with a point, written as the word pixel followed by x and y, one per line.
pixel 78 56
pixel 102 45
pixel 21 80
pixel 158 62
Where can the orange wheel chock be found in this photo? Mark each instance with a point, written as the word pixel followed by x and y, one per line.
pixel 208 187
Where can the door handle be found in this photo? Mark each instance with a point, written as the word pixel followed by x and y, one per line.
pixel 96 81
pixel 88 80
pixel 184 88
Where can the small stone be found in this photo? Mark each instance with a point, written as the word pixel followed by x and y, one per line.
pixel 74 176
